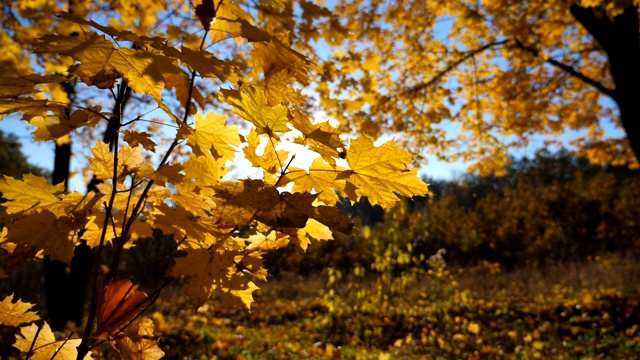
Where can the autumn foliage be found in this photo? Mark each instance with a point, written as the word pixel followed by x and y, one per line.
pixel 473 80
pixel 148 177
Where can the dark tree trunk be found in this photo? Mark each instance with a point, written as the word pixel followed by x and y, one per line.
pixel 66 286
pixel 619 37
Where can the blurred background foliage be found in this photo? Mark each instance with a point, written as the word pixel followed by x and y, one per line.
pixel 551 208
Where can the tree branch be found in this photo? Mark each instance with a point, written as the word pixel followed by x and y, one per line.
pixel 568 69
pixel 453 65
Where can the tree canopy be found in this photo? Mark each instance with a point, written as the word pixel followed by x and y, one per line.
pixel 471 80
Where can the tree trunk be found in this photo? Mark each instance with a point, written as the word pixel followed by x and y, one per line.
pixel 66 287
pixel 619 37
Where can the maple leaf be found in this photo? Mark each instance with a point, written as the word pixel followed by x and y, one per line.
pixel 321 138
pixel 205 12
pixel 207 65
pixel 45 346
pixel 56 237
pixel 204 271
pixel 14 314
pixel 268 242
pixel 252 105
pixel 321 178
pixel 212 134
pixel 312 230
pixel 238 202
pixel 208 271
pixel 31 108
pixel 270 160
pixel 118 303
pixel 101 64
pixel 279 91
pixel 12 87
pixel 53 127
pixel 102 162
pixel 205 169
pixel 137 344
pixel 380 173
pixel 32 192
pixel 135 138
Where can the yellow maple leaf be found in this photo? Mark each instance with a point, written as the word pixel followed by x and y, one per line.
pixel 380 173
pixel 320 178
pixel 204 270
pixel 270 160
pixel 313 230
pixel 205 169
pixel 321 138
pixel 279 91
pixel 14 314
pixel 239 291
pixel 31 107
pixel 207 65
pixel 12 87
pixel 129 160
pixel 212 134
pixel 51 127
pixel 32 192
pixel 138 344
pixel 251 105
pixel 272 241
pixel 45 346
pixel 101 64
pixel 56 237
pixel 238 202
pixel 102 161
pixel 135 138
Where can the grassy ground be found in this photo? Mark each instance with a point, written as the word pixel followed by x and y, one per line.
pixel 587 310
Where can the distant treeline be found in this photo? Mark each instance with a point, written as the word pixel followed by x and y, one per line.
pixel 551 208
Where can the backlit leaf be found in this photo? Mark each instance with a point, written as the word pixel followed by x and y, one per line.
pixel 252 105
pixel 212 134
pixel 118 303
pixel 45 344
pixel 380 172
pixel 16 313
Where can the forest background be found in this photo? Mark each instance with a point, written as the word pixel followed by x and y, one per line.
pixel 406 283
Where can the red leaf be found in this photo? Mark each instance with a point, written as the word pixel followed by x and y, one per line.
pixel 119 304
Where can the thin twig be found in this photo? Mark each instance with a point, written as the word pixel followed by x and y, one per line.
pixel 453 65
pixel 283 172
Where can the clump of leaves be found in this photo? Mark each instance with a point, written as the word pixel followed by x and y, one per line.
pixel 221 226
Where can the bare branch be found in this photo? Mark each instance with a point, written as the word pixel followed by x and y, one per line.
pixel 569 70
pixel 453 65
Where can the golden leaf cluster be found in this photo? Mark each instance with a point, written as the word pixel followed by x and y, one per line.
pixel 218 101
